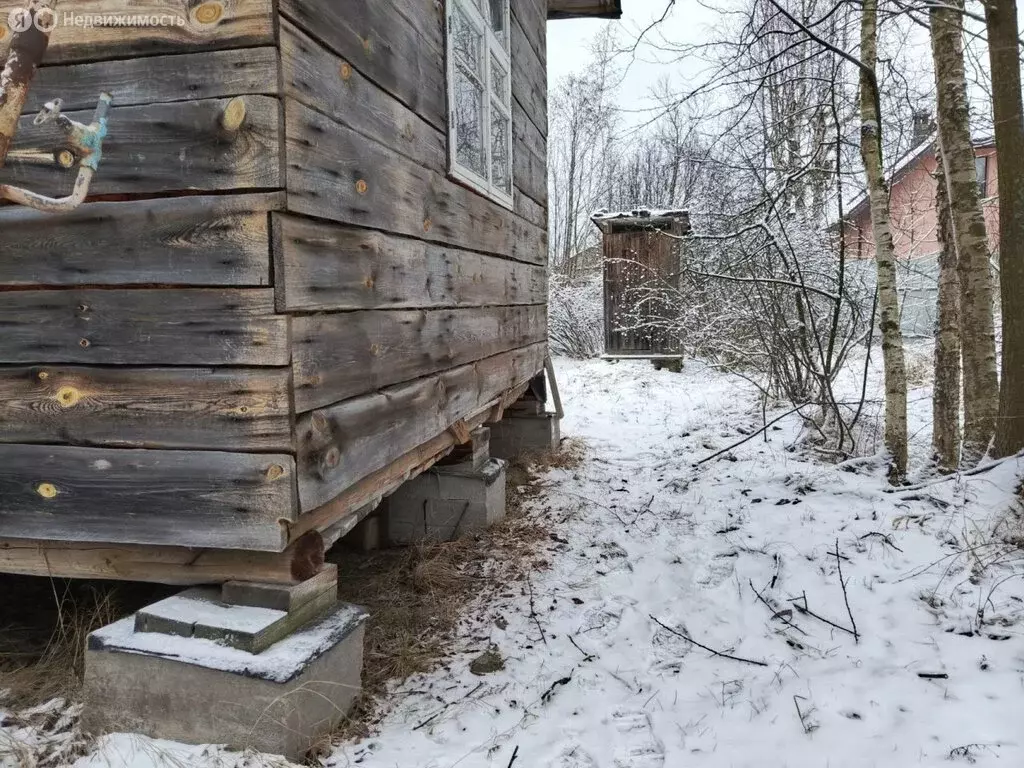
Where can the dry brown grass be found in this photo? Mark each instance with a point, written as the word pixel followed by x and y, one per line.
pixel 43 627
pixel 416 595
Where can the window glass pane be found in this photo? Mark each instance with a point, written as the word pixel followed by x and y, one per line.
pixel 981 168
pixel 499 18
pixel 469 123
pixel 465 40
pixel 501 173
pixel 499 80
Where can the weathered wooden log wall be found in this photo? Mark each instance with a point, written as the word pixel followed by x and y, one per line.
pixel 246 320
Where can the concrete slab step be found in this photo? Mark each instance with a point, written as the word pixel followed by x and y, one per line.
pixel 200 613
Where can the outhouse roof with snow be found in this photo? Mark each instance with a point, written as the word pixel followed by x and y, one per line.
pixel 675 220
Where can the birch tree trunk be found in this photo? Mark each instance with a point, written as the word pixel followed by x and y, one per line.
pixel 978 341
pixel 1001 20
pixel 946 395
pixel 885 260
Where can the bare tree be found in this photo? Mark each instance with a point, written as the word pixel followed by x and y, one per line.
pixel 946 394
pixel 878 195
pixel 977 329
pixel 1004 56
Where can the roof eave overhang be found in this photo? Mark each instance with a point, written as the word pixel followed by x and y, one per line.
pixel 584 9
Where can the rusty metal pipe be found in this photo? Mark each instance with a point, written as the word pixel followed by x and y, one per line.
pixel 87 141
pixel 51 204
pixel 26 54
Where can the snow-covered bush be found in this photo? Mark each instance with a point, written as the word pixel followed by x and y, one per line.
pixel 576 315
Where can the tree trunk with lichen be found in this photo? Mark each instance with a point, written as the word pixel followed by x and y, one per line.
pixel 885 260
pixel 977 326
pixel 946 393
pixel 1007 107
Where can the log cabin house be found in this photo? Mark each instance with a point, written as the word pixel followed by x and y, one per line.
pixel 312 258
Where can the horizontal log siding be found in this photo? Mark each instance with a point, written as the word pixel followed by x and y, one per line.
pixel 155 79
pixel 400 174
pixel 184 498
pixel 227 409
pixel 339 356
pixel 156 148
pixel 192 326
pixel 198 241
pixel 366 147
pixel 329 267
pixel 209 25
pixel 343 443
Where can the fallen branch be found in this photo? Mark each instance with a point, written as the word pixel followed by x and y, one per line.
pixel 645 508
pixel 776 614
pixel 546 696
pixel 445 707
pixel 884 537
pixel 586 656
pixel 846 597
pixel 957 475
pixel 709 650
pixel 533 611
pixel 806 610
pixel 515 754
pixel 807 725
pixel 749 437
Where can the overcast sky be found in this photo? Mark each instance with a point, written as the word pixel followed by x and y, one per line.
pixel 568 43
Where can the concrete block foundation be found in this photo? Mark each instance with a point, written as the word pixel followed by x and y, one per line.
pixel 446 502
pixel 522 433
pixel 190 689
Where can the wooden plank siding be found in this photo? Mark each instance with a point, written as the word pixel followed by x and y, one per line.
pixel 185 498
pixel 192 326
pixel 349 97
pixel 329 267
pixel 336 173
pixel 343 443
pixel 157 148
pixel 529 77
pixel 197 241
pixel 157 79
pixel 339 356
pixel 209 25
pixel 388 45
pixel 226 409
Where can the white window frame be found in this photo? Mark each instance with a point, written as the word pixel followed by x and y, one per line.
pixel 493 46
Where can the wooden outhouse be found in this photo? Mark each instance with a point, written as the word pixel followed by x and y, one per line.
pixel 312 257
pixel 642 252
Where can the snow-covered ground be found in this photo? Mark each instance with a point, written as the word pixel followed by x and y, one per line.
pixel 669 630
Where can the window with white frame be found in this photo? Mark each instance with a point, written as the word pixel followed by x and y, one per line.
pixel 480 96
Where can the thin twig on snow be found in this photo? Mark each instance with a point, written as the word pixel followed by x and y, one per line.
pixel 846 597
pixel 688 639
pixel 806 610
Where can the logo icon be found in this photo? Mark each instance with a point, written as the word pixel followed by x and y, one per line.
pixel 46 20
pixel 19 19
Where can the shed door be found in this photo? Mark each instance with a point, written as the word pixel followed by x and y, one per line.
pixel 641 279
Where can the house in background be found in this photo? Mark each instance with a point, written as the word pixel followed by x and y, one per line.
pixel 912 204
pixel 914 221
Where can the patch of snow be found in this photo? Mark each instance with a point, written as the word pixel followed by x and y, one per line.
pixel 279 663
pixel 658 553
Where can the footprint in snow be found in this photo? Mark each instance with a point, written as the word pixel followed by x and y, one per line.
pixel 717 571
pixel 575 757
pixel 601 621
pixel 637 746
pixel 669 648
